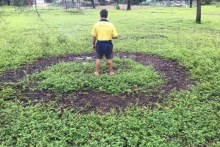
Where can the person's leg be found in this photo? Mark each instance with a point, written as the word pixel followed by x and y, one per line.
pixel 97 66
pixel 109 56
pixel 110 68
pixel 99 55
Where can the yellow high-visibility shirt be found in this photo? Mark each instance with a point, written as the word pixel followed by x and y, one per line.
pixel 104 31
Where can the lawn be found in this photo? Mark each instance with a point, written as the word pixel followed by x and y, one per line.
pixel 36 108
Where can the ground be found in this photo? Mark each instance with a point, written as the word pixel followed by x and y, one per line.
pixel 101 101
pixel 165 91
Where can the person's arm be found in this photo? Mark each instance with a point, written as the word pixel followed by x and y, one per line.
pixel 94 34
pixel 93 41
pixel 114 33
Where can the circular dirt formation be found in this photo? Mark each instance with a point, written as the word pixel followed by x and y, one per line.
pixel 175 76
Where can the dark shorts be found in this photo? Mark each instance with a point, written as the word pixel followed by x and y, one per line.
pixel 104 48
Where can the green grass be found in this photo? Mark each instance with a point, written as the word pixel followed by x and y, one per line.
pixel 187 118
pixel 130 77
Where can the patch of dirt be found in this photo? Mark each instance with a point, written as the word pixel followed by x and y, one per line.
pixel 39 65
pixel 87 101
pixel 176 78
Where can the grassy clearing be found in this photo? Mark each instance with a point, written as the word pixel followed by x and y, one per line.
pixel 130 77
pixel 187 118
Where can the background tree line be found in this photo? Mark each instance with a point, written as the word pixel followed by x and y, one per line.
pixel 102 2
pixel 16 2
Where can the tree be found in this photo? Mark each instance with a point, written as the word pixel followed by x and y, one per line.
pixel 190 3
pixel 65 4
pixel 1 2
pixel 93 4
pixel 206 2
pixel 128 4
pixel 19 3
pixel 8 2
pixel 198 12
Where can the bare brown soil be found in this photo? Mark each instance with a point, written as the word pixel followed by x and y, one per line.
pixel 176 78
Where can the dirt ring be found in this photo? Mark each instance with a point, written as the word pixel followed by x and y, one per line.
pixel 176 78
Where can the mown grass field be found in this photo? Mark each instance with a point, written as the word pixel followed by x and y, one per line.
pixel 184 118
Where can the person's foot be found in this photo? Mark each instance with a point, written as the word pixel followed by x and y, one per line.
pixel 96 73
pixel 111 73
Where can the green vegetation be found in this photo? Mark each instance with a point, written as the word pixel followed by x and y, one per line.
pixel 185 118
pixel 131 77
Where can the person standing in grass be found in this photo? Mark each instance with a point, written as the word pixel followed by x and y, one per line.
pixel 102 34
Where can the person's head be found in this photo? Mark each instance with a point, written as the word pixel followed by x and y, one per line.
pixel 103 13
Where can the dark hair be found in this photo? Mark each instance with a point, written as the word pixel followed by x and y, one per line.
pixel 104 13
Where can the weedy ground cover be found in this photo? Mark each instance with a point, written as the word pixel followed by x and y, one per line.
pixel 66 77
pixel 185 118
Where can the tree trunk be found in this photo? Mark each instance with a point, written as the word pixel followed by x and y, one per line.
pixel 35 4
pixel 103 2
pixel 65 4
pixel 9 3
pixel 190 3
pixel 198 13
pixel 129 5
pixel 93 4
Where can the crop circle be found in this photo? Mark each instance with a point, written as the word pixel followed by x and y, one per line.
pixel 73 84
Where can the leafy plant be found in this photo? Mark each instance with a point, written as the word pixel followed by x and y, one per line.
pixel 185 118
pixel 130 77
